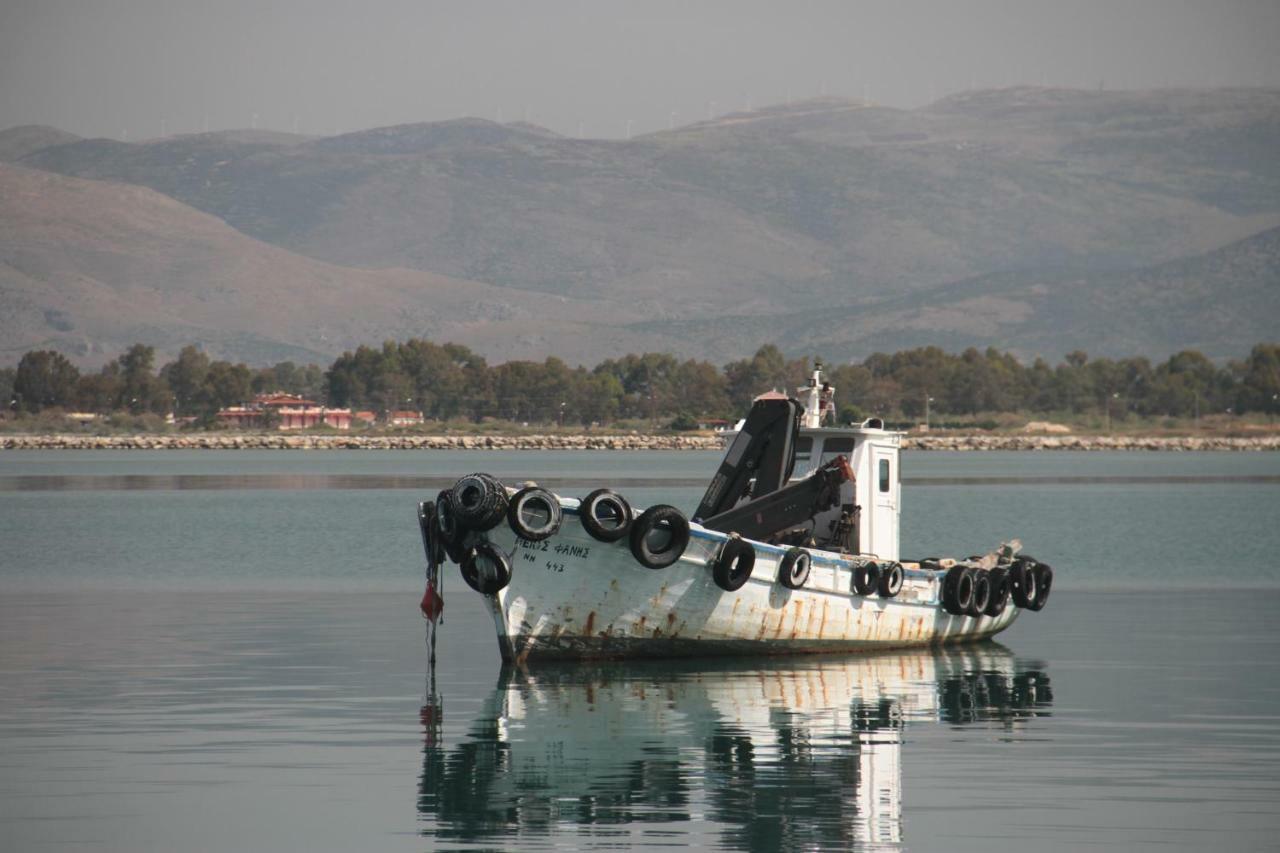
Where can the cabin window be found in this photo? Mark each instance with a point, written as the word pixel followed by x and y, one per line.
pixel 884 475
pixel 836 446
pixel 804 453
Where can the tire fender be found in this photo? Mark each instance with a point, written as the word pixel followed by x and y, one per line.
pixel 733 564
pixel 652 520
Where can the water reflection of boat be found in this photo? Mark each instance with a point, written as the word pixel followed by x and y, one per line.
pixel 778 753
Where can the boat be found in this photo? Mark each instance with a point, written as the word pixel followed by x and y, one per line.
pixel 793 549
pixel 743 740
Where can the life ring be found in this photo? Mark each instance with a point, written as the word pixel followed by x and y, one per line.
pixel 1044 582
pixel 655 520
pixel 957 590
pixel 486 569
pixel 534 513
pixel 865 576
pixel 480 501
pixel 1000 589
pixel 793 568
pixel 981 592
pixel 1022 577
pixel 605 515
pixel 449 526
pixel 733 564
pixel 890 582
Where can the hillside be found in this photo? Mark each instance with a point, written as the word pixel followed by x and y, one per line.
pixel 1219 302
pixel 18 142
pixel 90 267
pixel 824 208
pixel 818 201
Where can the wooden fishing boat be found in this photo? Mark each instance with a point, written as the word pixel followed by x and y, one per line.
pixel 794 548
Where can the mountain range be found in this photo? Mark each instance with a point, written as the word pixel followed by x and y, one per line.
pixel 1034 220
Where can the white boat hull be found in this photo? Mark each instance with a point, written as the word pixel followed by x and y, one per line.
pixel 573 597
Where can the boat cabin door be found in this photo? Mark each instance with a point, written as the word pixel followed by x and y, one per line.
pixel 885 488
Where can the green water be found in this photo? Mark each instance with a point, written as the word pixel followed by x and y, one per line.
pixel 221 651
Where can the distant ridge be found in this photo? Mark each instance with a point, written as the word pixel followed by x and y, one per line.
pixel 18 142
pixel 89 267
pixel 828 208
pixel 1217 302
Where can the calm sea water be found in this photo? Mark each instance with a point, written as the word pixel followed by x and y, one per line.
pixel 221 651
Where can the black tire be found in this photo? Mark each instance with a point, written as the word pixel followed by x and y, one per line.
pixel 981 592
pixel 534 514
pixel 480 501
pixel 1001 587
pixel 1044 582
pixel 865 577
pixel 655 520
pixel 890 583
pixel 957 590
pixel 605 515
pixel 1023 579
pixel 486 579
pixel 793 569
pixel 451 529
pixel 733 564
pixel 431 543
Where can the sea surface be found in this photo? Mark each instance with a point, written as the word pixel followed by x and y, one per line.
pixel 221 650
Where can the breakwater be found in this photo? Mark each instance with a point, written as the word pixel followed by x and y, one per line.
pixel 287 441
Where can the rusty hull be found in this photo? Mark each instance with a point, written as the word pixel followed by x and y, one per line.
pixel 573 598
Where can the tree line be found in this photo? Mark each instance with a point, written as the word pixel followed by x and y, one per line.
pixel 447 381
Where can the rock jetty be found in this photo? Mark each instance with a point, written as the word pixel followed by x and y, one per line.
pixel 287 441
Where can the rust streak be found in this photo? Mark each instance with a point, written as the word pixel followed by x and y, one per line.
pixel 591 622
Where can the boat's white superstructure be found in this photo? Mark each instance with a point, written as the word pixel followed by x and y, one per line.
pixel 563 581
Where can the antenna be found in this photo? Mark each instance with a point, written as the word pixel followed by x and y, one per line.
pixel 628 128
pixel 749 109
pixel 671 120
pixel 580 134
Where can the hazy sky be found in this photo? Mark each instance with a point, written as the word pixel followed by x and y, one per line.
pixel 135 67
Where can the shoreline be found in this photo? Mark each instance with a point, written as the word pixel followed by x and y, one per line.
pixel 287 441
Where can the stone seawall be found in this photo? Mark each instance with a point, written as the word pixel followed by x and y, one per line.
pixel 286 441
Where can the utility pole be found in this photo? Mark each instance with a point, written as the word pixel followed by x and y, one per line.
pixel 927 401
